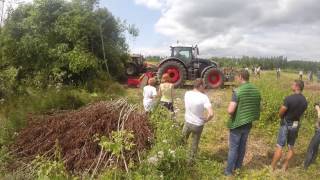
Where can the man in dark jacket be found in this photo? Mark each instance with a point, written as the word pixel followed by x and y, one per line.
pixel 290 112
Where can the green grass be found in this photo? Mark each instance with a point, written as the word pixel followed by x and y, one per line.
pixel 212 156
pixel 214 142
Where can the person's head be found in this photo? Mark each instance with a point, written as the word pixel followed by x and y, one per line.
pixel 152 82
pixel 297 86
pixel 165 78
pixel 242 76
pixel 199 85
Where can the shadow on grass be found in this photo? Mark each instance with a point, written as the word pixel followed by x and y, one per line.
pixel 220 156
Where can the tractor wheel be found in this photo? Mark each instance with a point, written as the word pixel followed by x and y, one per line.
pixel 131 70
pixel 176 71
pixel 213 78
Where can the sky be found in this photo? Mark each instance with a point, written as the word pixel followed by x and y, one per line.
pixel 225 27
pixel 231 28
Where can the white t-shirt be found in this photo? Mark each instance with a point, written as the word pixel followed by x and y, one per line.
pixel 195 104
pixel 148 93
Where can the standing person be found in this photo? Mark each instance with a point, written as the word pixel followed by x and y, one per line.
pixel 258 71
pixel 244 108
pixel 149 95
pixel 278 73
pixel 313 148
pixel 300 75
pixel 166 93
pixel 310 76
pixel 290 112
pixel 196 102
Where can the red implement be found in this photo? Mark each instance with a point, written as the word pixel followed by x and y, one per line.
pixel 142 80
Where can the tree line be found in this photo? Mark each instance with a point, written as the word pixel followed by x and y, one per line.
pixel 267 63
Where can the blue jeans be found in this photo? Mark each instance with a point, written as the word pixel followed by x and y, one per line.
pixel 237 149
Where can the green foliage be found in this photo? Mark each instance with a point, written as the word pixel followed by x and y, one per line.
pixel 168 157
pixel 7 81
pixel 51 42
pixel 119 142
pixel 47 169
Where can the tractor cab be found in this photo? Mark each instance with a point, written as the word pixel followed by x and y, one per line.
pixel 185 53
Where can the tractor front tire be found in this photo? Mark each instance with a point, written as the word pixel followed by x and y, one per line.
pixel 213 78
pixel 176 71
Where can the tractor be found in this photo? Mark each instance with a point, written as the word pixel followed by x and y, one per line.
pixel 183 64
pixel 136 65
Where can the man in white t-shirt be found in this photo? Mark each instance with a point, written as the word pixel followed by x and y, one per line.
pixel 149 94
pixel 196 103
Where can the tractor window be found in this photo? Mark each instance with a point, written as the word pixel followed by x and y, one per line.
pixel 184 54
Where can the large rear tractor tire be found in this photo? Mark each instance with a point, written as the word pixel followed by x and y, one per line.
pixel 213 78
pixel 176 71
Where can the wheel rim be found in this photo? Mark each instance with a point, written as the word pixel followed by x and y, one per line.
pixel 214 78
pixel 174 74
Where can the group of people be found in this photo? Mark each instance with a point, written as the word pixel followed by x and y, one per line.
pixel 165 92
pixel 244 108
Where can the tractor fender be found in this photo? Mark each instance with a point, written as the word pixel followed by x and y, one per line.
pixel 172 59
pixel 215 64
pixel 207 68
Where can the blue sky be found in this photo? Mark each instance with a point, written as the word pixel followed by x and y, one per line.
pixel 142 17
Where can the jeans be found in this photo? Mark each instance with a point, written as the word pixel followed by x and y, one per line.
pixel 237 149
pixel 312 149
pixel 196 134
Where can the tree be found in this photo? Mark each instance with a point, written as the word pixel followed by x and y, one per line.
pixel 75 41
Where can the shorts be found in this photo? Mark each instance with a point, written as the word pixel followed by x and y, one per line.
pixel 287 135
pixel 168 105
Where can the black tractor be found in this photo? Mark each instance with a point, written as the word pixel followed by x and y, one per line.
pixel 183 64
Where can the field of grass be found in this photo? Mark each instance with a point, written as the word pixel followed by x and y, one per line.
pixel 214 142
pixel 167 149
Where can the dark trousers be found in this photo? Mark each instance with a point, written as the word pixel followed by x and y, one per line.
pixel 313 148
pixel 237 148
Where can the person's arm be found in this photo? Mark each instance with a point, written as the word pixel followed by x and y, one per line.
pixel 159 92
pixel 232 108
pixel 210 113
pixel 283 109
pixel 172 92
pixel 208 107
pixel 233 104
pixel 154 93
pixel 317 107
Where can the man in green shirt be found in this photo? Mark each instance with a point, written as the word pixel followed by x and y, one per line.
pixel 243 109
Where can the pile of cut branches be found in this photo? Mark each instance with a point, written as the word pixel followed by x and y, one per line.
pixel 76 133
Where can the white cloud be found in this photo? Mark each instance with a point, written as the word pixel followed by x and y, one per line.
pixel 247 27
pixel 152 4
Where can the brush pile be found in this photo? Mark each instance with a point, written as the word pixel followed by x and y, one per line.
pixel 75 132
